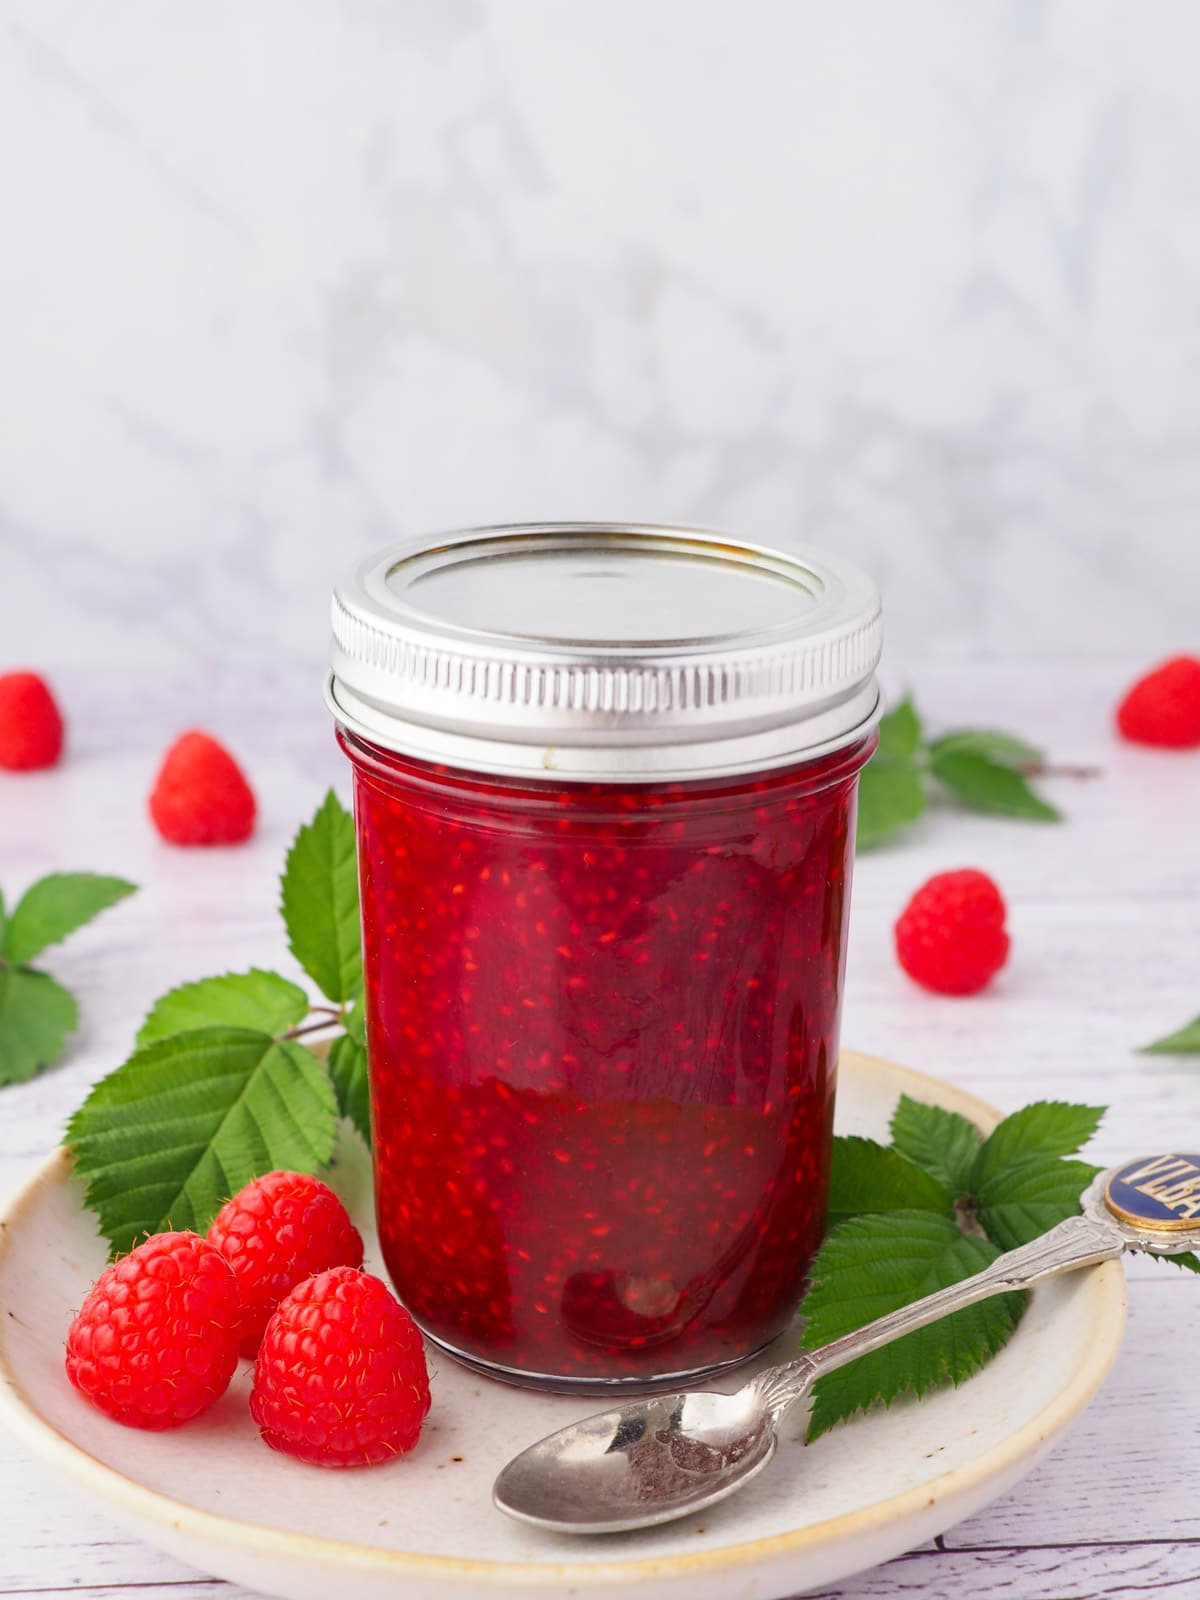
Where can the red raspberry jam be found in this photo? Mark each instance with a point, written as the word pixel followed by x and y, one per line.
pixel 602 1023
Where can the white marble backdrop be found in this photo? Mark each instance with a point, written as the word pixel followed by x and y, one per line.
pixel 283 279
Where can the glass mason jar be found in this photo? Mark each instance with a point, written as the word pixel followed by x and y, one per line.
pixel 604 784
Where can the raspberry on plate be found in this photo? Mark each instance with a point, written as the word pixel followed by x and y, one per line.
pixel 950 937
pixel 276 1232
pixel 1163 708
pixel 31 725
pixel 200 795
pixel 340 1378
pixel 156 1340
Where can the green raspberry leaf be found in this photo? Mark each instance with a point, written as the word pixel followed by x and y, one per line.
pixel 320 901
pixel 875 1264
pixel 991 786
pixel 870 1177
pixel 1188 1260
pixel 940 1141
pixel 36 1015
pixel 1045 1128
pixel 899 733
pixel 260 1000
pixel 54 907
pixel 891 789
pixel 1030 1194
pixel 1020 1185
pixel 181 1126
pixel 891 795
pixel 1004 748
pixel 1185 1042
pixel 348 1072
pixel 356 1022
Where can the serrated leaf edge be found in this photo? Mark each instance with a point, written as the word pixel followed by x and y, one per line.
pixel 78 1143
pixel 332 806
pixel 978 1171
pixel 123 889
pixel 955 1191
pixel 68 1030
pixel 1169 1044
pixel 212 977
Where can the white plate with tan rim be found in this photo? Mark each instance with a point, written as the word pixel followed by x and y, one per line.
pixel 212 1495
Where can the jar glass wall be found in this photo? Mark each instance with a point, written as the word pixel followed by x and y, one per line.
pixel 602 1025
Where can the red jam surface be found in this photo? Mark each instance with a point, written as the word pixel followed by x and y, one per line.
pixel 602 1027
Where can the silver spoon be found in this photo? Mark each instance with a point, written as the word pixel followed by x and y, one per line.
pixel 667 1456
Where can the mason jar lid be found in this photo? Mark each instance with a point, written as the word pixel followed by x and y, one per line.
pixel 605 651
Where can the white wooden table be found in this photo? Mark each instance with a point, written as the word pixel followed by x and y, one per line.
pixel 1105 918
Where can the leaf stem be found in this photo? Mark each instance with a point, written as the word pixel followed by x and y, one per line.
pixel 331 1019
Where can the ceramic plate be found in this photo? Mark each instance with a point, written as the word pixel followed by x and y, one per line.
pixel 213 1496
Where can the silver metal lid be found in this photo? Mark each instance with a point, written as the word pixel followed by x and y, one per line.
pixel 605 651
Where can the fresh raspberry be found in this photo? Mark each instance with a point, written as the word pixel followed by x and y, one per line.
pixel 950 936
pixel 1163 708
pixel 200 795
pixel 340 1378
pixel 278 1231
pixel 31 725
pixel 156 1340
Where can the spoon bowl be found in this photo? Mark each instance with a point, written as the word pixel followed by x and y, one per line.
pixel 641 1464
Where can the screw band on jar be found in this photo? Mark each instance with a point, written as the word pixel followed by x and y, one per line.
pixel 437 652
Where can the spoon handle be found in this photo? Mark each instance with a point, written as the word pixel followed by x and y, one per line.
pixel 1077 1242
